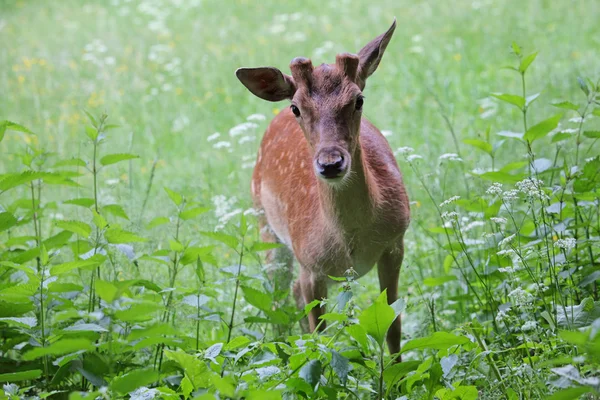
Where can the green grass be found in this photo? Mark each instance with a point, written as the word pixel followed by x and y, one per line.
pixel 164 72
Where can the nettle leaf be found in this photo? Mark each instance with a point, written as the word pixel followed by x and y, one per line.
pixel 340 365
pixel 543 128
pixel 90 263
pixel 592 134
pixel 395 372
pixel 106 290
pixel 77 227
pixel 7 221
pixel 377 318
pixel 71 162
pixel 526 61
pixel 158 221
pixel 437 341
pixel 13 126
pixel 513 99
pixel 480 144
pixel 590 176
pixel 193 212
pixel 10 181
pixel 567 105
pixel 228 240
pixel 133 380
pixel 59 348
pixel 23 375
pixel 85 328
pixel 99 220
pixel 174 196
pixel 115 158
pixel 82 202
pixel 258 299
pixel 116 210
pixel 311 372
pixel 196 370
pixel 117 236
pixel 192 254
pixel 583 86
pixel 213 352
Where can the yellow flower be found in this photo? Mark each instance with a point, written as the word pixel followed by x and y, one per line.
pixel 457 57
pixel 21 78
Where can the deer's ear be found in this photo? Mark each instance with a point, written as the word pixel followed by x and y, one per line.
pixel 268 83
pixel 371 54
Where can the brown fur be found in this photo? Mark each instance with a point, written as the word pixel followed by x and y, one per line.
pixel 330 227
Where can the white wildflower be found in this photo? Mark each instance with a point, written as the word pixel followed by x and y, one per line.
pixel 386 133
pixel 242 128
pixel 144 393
pixel 473 242
pixel 496 188
pixel 567 244
pixel 413 157
pixel 256 117
pixel 472 225
pixel 213 136
pixel 510 195
pixel 502 316
pixel 404 151
pixel 507 240
pixel 532 188
pixel 498 220
pixel 222 144
pixel 519 297
pixel 449 201
pixel 449 215
pixel 529 326
pixel 450 157
pixel 569 130
pixel 246 139
pixel 506 253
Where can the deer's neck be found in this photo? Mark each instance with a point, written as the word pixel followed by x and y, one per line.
pixel 350 204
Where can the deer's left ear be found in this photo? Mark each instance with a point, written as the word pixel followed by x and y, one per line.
pixel 268 83
pixel 370 55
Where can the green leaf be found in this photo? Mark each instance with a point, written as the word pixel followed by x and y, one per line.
pixel 596 112
pixel 195 369
pixel 11 181
pixel 358 333
pixel 82 202
pixel 119 236
pixel 77 227
pixel 59 348
pixel 133 380
pixel 7 221
pixel 480 144
pixel 228 240
pixel 592 134
pixel 106 290
pixel 8 125
pixel 395 372
pixel 21 376
pixel 157 222
pixel 311 372
pixel 567 105
pixel 516 48
pixel 542 129
pixel 526 61
pixel 71 162
pixel 92 119
pixel 438 280
pixel 502 177
pixel 513 99
pixel 199 270
pixel 193 212
pixel 116 210
pixel 583 86
pixel 258 299
pixel 99 220
pixel 530 99
pixel 115 158
pixel 377 318
pixel 571 393
pixel 191 254
pixel 175 197
pixel 438 341
pixel 340 365
pixel 90 263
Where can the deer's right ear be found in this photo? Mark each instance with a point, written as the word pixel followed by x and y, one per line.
pixel 268 83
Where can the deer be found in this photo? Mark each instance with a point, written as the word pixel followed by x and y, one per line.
pixel 326 180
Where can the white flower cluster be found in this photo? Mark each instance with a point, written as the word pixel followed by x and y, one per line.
pixel 498 220
pixel 450 215
pixel 496 188
pixel 520 297
pixel 449 201
pixel 510 195
pixel 450 157
pixel 567 244
pixel 502 316
pixel 533 188
pixel 224 209
pixel 529 326
pixel 506 240
pixel 404 151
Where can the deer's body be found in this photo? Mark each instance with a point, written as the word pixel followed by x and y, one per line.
pixel 327 179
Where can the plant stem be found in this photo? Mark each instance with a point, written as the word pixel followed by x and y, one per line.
pixel 235 293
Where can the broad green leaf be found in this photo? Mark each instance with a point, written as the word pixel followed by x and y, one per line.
pixel 377 318
pixel 583 86
pixel 258 299
pixel 71 162
pixel 311 372
pixel 199 270
pixel 571 393
pixel 174 196
pixel 191 254
pixel 133 380
pixel 480 144
pixel 85 328
pixel 395 372
pixel 596 112
pixel 358 333
pixel 157 222
pixel 116 210
pixel 22 322
pixel 194 368
pixel 228 240
pixel 438 280
pixel 502 177
pixel 59 348
pixel 91 118
pixel 513 99
pixel 99 220
pixel 542 129
pixel 567 105
pixel 21 376
pixel 340 365
pixel 77 227
pixel 516 48
pixel 91 262
pixel 560 136
pixel 117 236
pixel 115 158
pixel 11 181
pixel 193 212
pixel 526 61
pixel 437 341
pixel 82 202
pixel 7 221
pixel 592 134
pixel 106 290
pixel 174 245
pixel 8 125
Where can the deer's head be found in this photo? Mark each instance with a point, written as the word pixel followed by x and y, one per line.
pixel 327 101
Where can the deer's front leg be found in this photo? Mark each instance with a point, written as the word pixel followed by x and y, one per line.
pixel 313 288
pixel 388 269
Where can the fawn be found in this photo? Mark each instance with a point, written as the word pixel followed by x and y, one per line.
pixel 327 180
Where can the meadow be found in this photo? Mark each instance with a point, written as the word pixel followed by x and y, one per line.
pixel 130 260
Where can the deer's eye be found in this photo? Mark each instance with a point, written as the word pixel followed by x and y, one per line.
pixel 295 110
pixel 359 103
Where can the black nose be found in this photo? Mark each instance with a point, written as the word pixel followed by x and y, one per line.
pixel 330 165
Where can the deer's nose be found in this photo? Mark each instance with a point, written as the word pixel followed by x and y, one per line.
pixel 330 164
